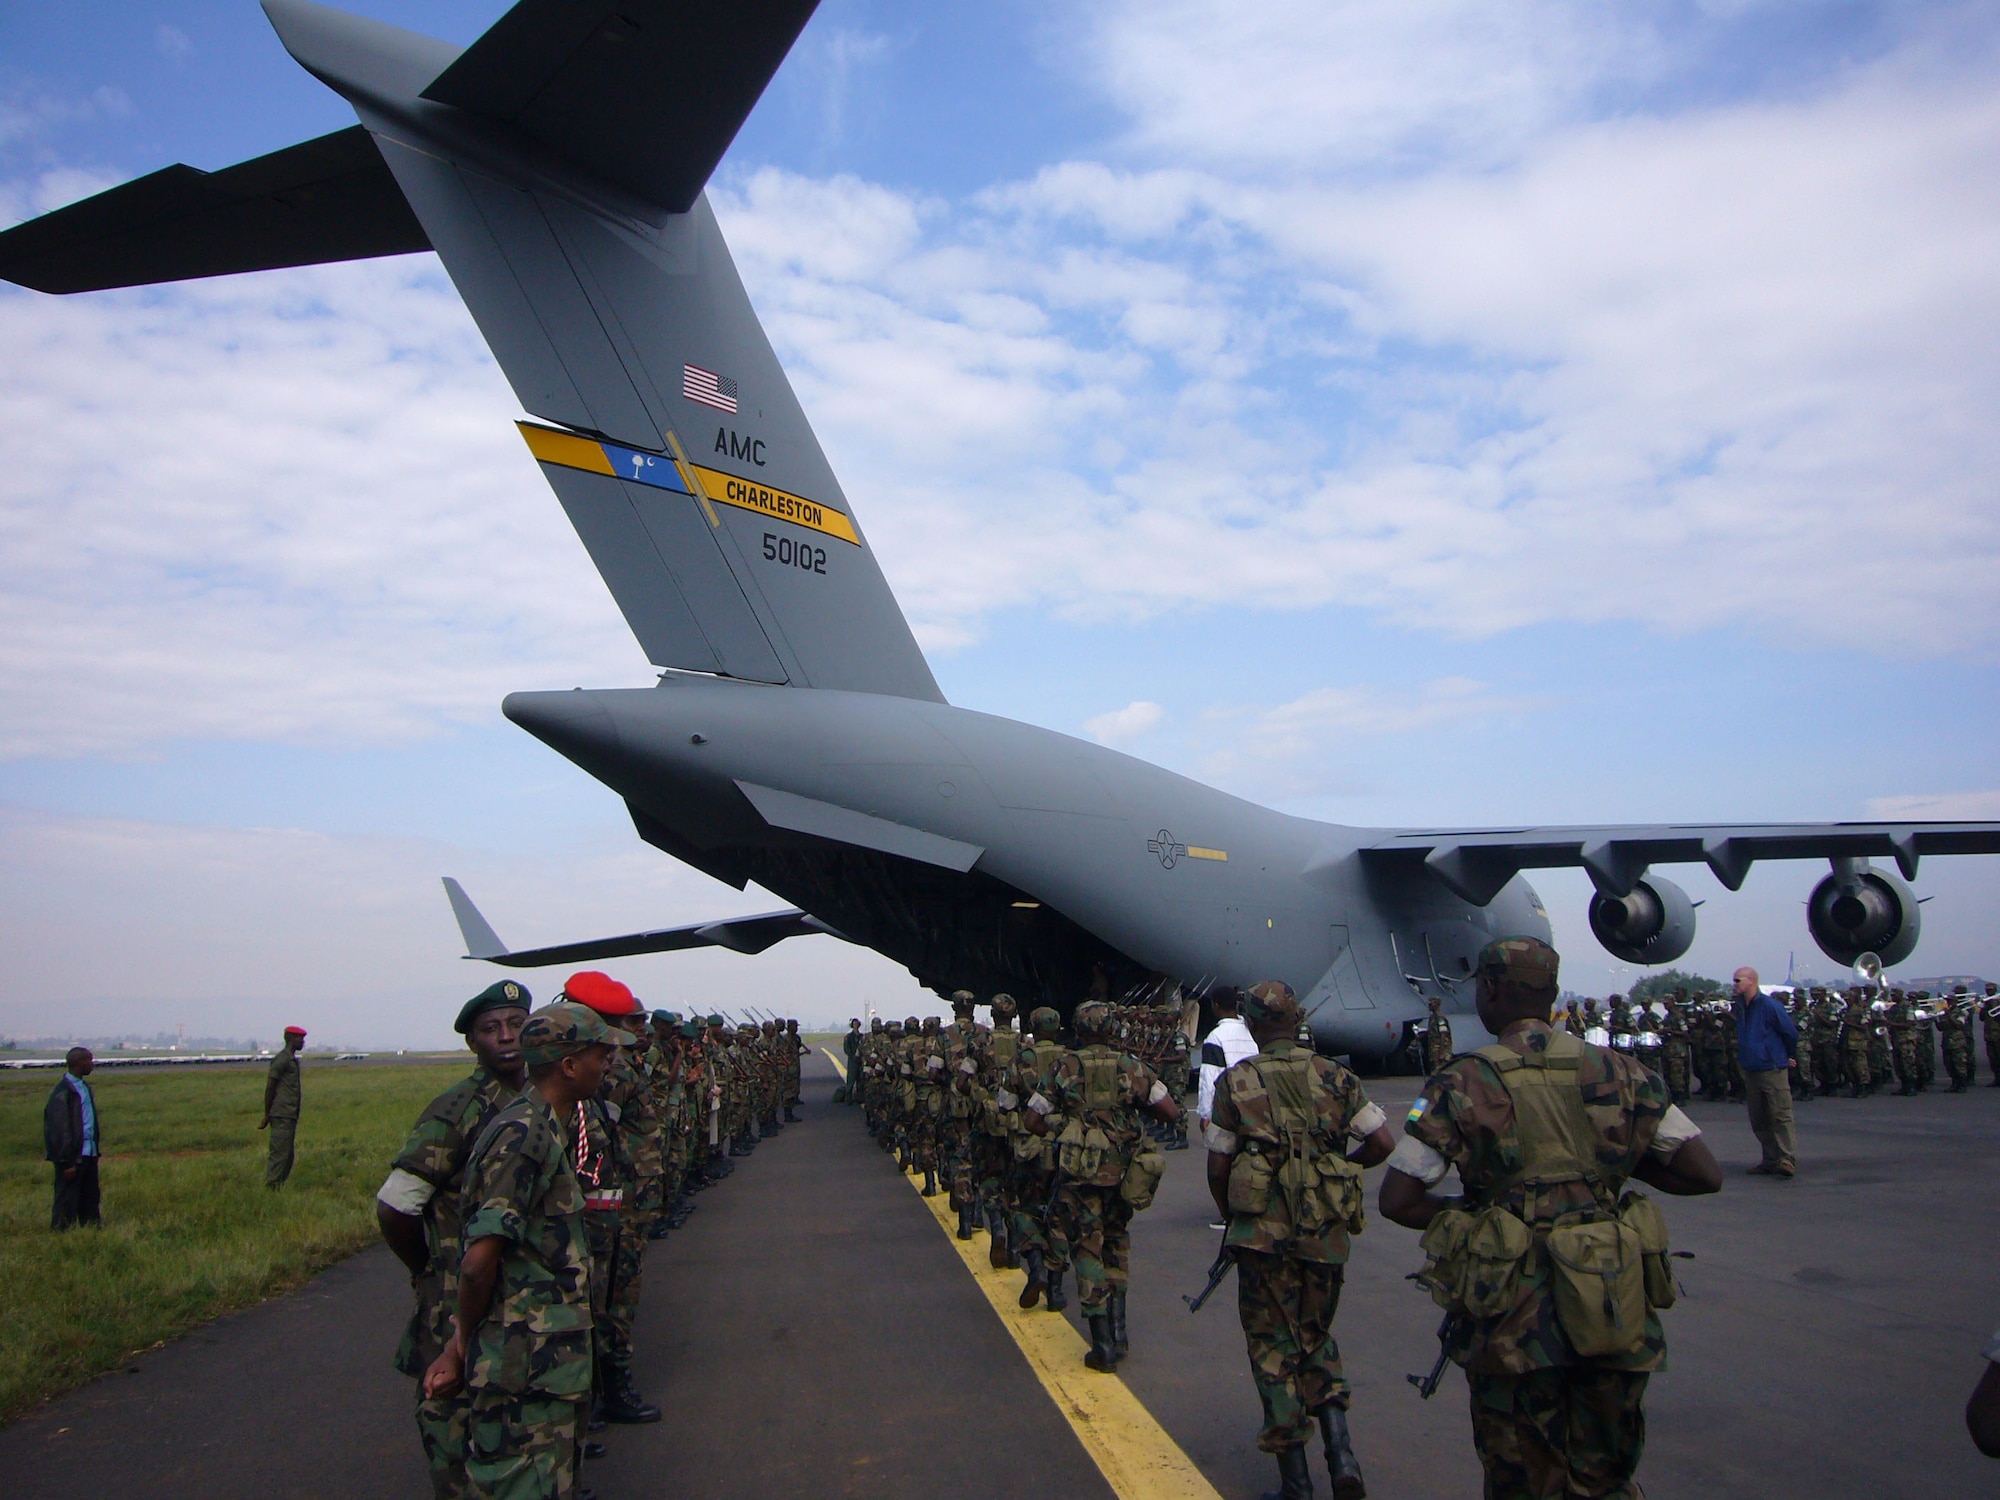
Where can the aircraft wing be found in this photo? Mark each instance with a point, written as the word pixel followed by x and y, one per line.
pixel 1476 862
pixel 738 934
pixel 327 199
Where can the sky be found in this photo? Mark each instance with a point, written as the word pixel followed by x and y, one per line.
pixel 1407 411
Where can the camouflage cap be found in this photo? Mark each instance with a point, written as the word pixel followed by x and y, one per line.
pixel 962 1000
pixel 1271 1000
pixel 1523 962
pixel 506 994
pixel 1092 1018
pixel 557 1031
pixel 912 1024
pixel 1003 1004
pixel 1044 1021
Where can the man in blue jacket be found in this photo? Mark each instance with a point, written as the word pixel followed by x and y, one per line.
pixel 1766 1043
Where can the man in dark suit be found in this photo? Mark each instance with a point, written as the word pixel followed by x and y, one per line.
pixel 71 1140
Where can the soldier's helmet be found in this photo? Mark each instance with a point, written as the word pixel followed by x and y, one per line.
pixel 962 1002
pixel 1044 1021
pixel 913 1024
pixel 875 1023
pixel 1271 1000
pixel 1003 1004
pixel 930 1023
pixel 1093 1018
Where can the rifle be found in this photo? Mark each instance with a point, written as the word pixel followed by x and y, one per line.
pixel 1427 1385
pixel 1217 1274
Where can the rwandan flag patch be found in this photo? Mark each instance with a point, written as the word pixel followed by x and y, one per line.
pixel 1417 1111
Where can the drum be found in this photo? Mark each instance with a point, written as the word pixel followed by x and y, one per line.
pixel 1597 1036
pixel 1649 1041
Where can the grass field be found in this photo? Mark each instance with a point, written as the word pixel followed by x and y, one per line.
pixel 189 1228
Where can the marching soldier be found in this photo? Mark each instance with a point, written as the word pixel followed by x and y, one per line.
pixel 1039 1240
pixel 1103 1095
pixel 1288 1111
pixel 961 1042
pixel 1855 1024
pixel 521 1345
pixel 1674 1050
pixel 418 1211
pixel 923 1057
pixel 1903 1044
pixel 993 1126
pixel 1958 1056
pixel 1556 1362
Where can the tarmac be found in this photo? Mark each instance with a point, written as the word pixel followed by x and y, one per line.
pixel 812 1331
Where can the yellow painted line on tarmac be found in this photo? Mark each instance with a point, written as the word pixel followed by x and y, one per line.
pixel 838 1066
pixel 1131 1450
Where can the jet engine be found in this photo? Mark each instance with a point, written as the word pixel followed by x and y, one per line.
pixel 1654 924
pixel 1864 910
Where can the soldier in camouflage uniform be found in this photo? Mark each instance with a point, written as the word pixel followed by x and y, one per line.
pixel 1903 1044
pixel 608 1155
pixel 1103 1096
pixel 1290 1239
pixel 1038 1239
pixel 1958 1055
pixel 1989 1019
pixel 1674 1049
pixel 1804 1080
pixel 961 1042
pixel 1881 1045
pixel 925 1072
pixel 1855 1023
pixel 1541 1126
pixel 417 1209
pixel 993 1128
pixel 793 1076
pixel 1926 1044
pixel 1437 1036
pixel 1824 1037
pixel 521 1347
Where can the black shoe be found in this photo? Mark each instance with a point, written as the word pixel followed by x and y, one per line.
pixel 1037 1281
pixel 594 1450
pixel 1103 1355
pixel 790 1117
pixel 622 1402
pixel 1056 1297
pixel 965 1221
pixel 930 1183
pixel 1295 1480
pixel 595 1421
pixel 1120 1339
pixel 1341 1466
pixel 999 1253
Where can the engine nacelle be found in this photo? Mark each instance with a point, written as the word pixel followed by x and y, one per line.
pixel 1652 925
pixel 1870 911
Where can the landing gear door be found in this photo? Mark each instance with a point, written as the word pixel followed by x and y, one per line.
pixel 1343 976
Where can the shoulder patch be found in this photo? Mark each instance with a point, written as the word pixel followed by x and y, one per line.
pixel 1418 1110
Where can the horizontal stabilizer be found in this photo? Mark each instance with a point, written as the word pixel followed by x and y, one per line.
pixel 738 934
pixel 643 94
pixel 322 200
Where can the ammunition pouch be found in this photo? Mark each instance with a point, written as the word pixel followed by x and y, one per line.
pixel 1142 1176
pixel 1250 1177
pixel 1642 1215
pixel 1597 1273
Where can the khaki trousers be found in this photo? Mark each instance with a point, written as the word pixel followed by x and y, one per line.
pixel 1769 1094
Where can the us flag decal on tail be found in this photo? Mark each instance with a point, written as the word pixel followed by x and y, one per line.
pixel 709 388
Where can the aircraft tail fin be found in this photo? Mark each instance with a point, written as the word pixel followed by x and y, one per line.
pixel 556 166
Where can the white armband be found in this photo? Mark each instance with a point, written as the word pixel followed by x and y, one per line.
pixel 1218 1140
pixel 1155 1094
pixel 1007 1099
pixel 968 1067
pixel 1040 1105
pixel 405 1192
pixel 934 1061
pixel 1675 1131
pixel 1365 1124
pixel 1414 1159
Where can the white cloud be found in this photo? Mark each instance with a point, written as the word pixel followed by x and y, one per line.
pixel 283 507
pixel 112 925
pixel 172 43
pixel 1123 725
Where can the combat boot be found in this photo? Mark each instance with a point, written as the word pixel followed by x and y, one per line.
pixel 930 1182
pixel 622 1401
pixel 790 1117
pixel 903 1158
pixel 1342 1468
pixel 1037 1281
pixel 965 1221
pixel 1120 1339
pixel 1295 1480
pixel 999 1252
pixel 1103 1355
pixel 1057 1299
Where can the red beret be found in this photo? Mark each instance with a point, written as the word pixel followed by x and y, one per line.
pixel 295 1031
pixel 601 993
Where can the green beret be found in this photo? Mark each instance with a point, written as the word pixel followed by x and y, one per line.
pixel 665 1018
pixel 690 1029
pixel 1523 962
pixel 1272 1000
pixel 556 1031
pixel 716 1020
pixel 507 994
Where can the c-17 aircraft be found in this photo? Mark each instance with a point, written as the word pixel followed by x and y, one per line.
pixel 796 736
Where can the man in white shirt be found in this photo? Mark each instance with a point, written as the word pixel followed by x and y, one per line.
pixel 1222 1049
